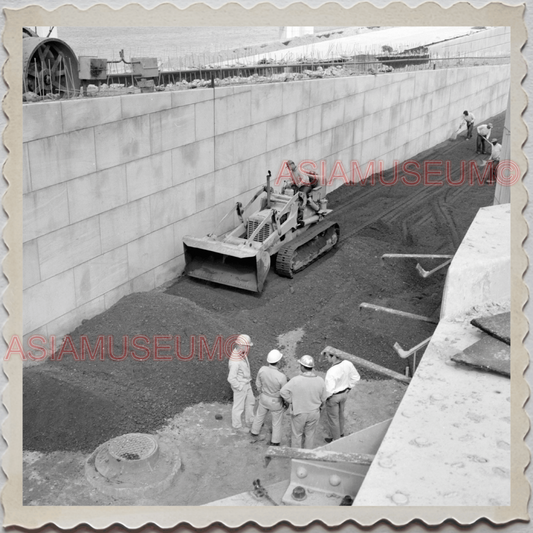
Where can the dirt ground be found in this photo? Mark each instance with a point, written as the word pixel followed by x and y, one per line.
pixel 72 406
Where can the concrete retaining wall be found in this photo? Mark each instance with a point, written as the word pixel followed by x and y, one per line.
pixel 111 185
pixel 492 42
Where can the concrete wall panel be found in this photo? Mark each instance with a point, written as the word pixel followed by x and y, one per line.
pixel 249 142
pixel 171 205
pixel 41 120
pixel 106 190
pixel 280 131
pixel 48 300
pixel 224 150
pixel 265 102
pixel 30 262
pixel 45 211
pixel 89 112
pixel 121 142
pixel 205 192
pixel 233 112
pixel 192 160
pixel 135 105
pixel 100 275
pixel 204 120
pixel 156 133
pixel 332 114
pixel 124 224
pixel 26 175
pixel 151 251
pixel 77 156
pixel 68 247
pixel 149 175
pixel 181 98
pixel 44 162
pixel 295 97
pixel 178 127
pixel 308 122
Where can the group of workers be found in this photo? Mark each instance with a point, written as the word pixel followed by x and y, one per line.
pixel 304 396
pixel 483 142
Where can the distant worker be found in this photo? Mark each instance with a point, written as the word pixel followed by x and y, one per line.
pixel 306 393
pixel 239 378
pixel 269 382
pixel 483 134
pixel 340 380
pixel 494 160
pixel 468 119
pixel 304 182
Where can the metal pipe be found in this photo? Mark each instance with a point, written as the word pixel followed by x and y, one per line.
pixel 416 256
pixel 426 273
pixel 366 364
pixel 406 353
pixel 268 189
pixel 396 312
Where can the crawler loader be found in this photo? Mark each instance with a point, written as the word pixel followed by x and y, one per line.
pixel 290 226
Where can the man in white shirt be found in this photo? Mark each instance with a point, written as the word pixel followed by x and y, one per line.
pixel 468 118
pixel 494 159
pixel 340 379
pixel 239 378
pixel 482 141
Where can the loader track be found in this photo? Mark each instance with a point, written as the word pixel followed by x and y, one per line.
pixel 306 249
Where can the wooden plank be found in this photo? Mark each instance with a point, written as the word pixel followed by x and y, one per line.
pixel 358 361
pixel 285 452
pixel 499 326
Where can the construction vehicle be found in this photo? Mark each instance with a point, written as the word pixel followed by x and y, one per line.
pixel 289 226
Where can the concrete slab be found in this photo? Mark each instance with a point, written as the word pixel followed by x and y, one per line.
pixel 43 119
pixel 124 224
pixel 156 134
pixel 106 190
pixel 190 96
pixel 68 247
pixel 144 282
pixel 26 176
pixel 169 270
pixel 100 275
pixel 76 154
pixel 224 150
pixel 149 175
pixel 249 142
pixel 295 96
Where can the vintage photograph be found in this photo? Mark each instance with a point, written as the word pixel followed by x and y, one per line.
pixel 267 266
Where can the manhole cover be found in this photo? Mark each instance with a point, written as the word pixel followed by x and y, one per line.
pixel 132 447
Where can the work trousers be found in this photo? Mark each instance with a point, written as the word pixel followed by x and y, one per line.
pixel 303 429
pixel 481 143
pixel 335 414
pixel 469 128
pixel 265 405
pixel 243 401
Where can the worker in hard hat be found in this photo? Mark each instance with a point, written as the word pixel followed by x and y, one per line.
pixel 340 380
pixel 269 382
pixel 240 378
pixel 306 394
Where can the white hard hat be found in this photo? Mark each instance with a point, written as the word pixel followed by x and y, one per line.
pixel 244 340
pixel 307 361
pixel 274 356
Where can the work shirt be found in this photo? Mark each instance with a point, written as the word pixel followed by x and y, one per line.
pixel 469 118
pixel 496 151
pixel 484 130
pixel 269 381
pixel 239 370
pixel 341 376
pixel 305 392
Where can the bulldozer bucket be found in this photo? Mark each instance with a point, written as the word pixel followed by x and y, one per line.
pixel 233 265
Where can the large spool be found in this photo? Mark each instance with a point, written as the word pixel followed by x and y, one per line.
pixel 50 67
